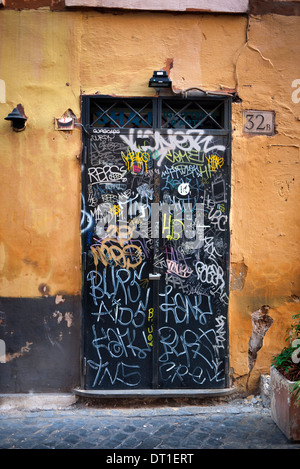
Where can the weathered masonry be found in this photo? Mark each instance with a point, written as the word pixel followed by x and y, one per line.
pixel 147 235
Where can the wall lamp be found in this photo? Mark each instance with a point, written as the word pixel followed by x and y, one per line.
pixel 160 80
pixel 18 118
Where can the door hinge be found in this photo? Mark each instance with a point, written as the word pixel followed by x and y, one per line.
pixel 228 155
pixel 227 372
pixel 84 366
pixel 84 261
pixel 84 155
pixel 226 365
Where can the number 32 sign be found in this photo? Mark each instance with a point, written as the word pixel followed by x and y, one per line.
pixel 259 122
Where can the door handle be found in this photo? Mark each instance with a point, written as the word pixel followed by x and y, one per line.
pixel 154 276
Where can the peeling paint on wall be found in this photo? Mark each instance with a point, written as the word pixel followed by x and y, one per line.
pixel 42 344
pixel 68 317
pixel 284 186
pixel 59 299
pixel 44 289
pixel 238 273
pixel 25 349
pixel 2 92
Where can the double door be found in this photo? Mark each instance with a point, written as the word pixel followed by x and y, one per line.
pixel 155 237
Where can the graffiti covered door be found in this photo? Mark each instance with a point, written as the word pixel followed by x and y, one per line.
pixel 192 330
pixel 155 231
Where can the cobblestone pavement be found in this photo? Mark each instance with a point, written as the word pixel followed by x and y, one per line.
pixel 234 425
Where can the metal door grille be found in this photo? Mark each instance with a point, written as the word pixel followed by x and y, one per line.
pixel 121 113
pixel 192 114
pixel 161 113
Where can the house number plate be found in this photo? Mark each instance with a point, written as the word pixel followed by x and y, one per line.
pixel 259 122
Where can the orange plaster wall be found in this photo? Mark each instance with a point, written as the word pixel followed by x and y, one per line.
pixel 40 171
pixel 265 183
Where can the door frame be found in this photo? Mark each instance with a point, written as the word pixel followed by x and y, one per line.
pixel 86 128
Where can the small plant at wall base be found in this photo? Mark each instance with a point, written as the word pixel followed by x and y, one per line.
pixel 287 362
pixel 285 384
pixel 296 391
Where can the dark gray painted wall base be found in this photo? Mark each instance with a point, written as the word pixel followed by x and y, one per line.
pixel 42 344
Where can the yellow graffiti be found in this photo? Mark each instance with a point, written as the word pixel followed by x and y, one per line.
pixel 185 157
pixel 205 164
pixel 150 327
pixel 144 283
pixel 214 162
pixel 116 211
pixel 169 226
pixel 136 161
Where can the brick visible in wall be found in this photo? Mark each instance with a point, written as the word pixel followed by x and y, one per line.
pixel 261 323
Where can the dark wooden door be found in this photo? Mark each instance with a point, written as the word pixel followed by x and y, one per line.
pixel 155 233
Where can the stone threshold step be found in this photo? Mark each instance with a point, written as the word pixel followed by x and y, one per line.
pixel 152 393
